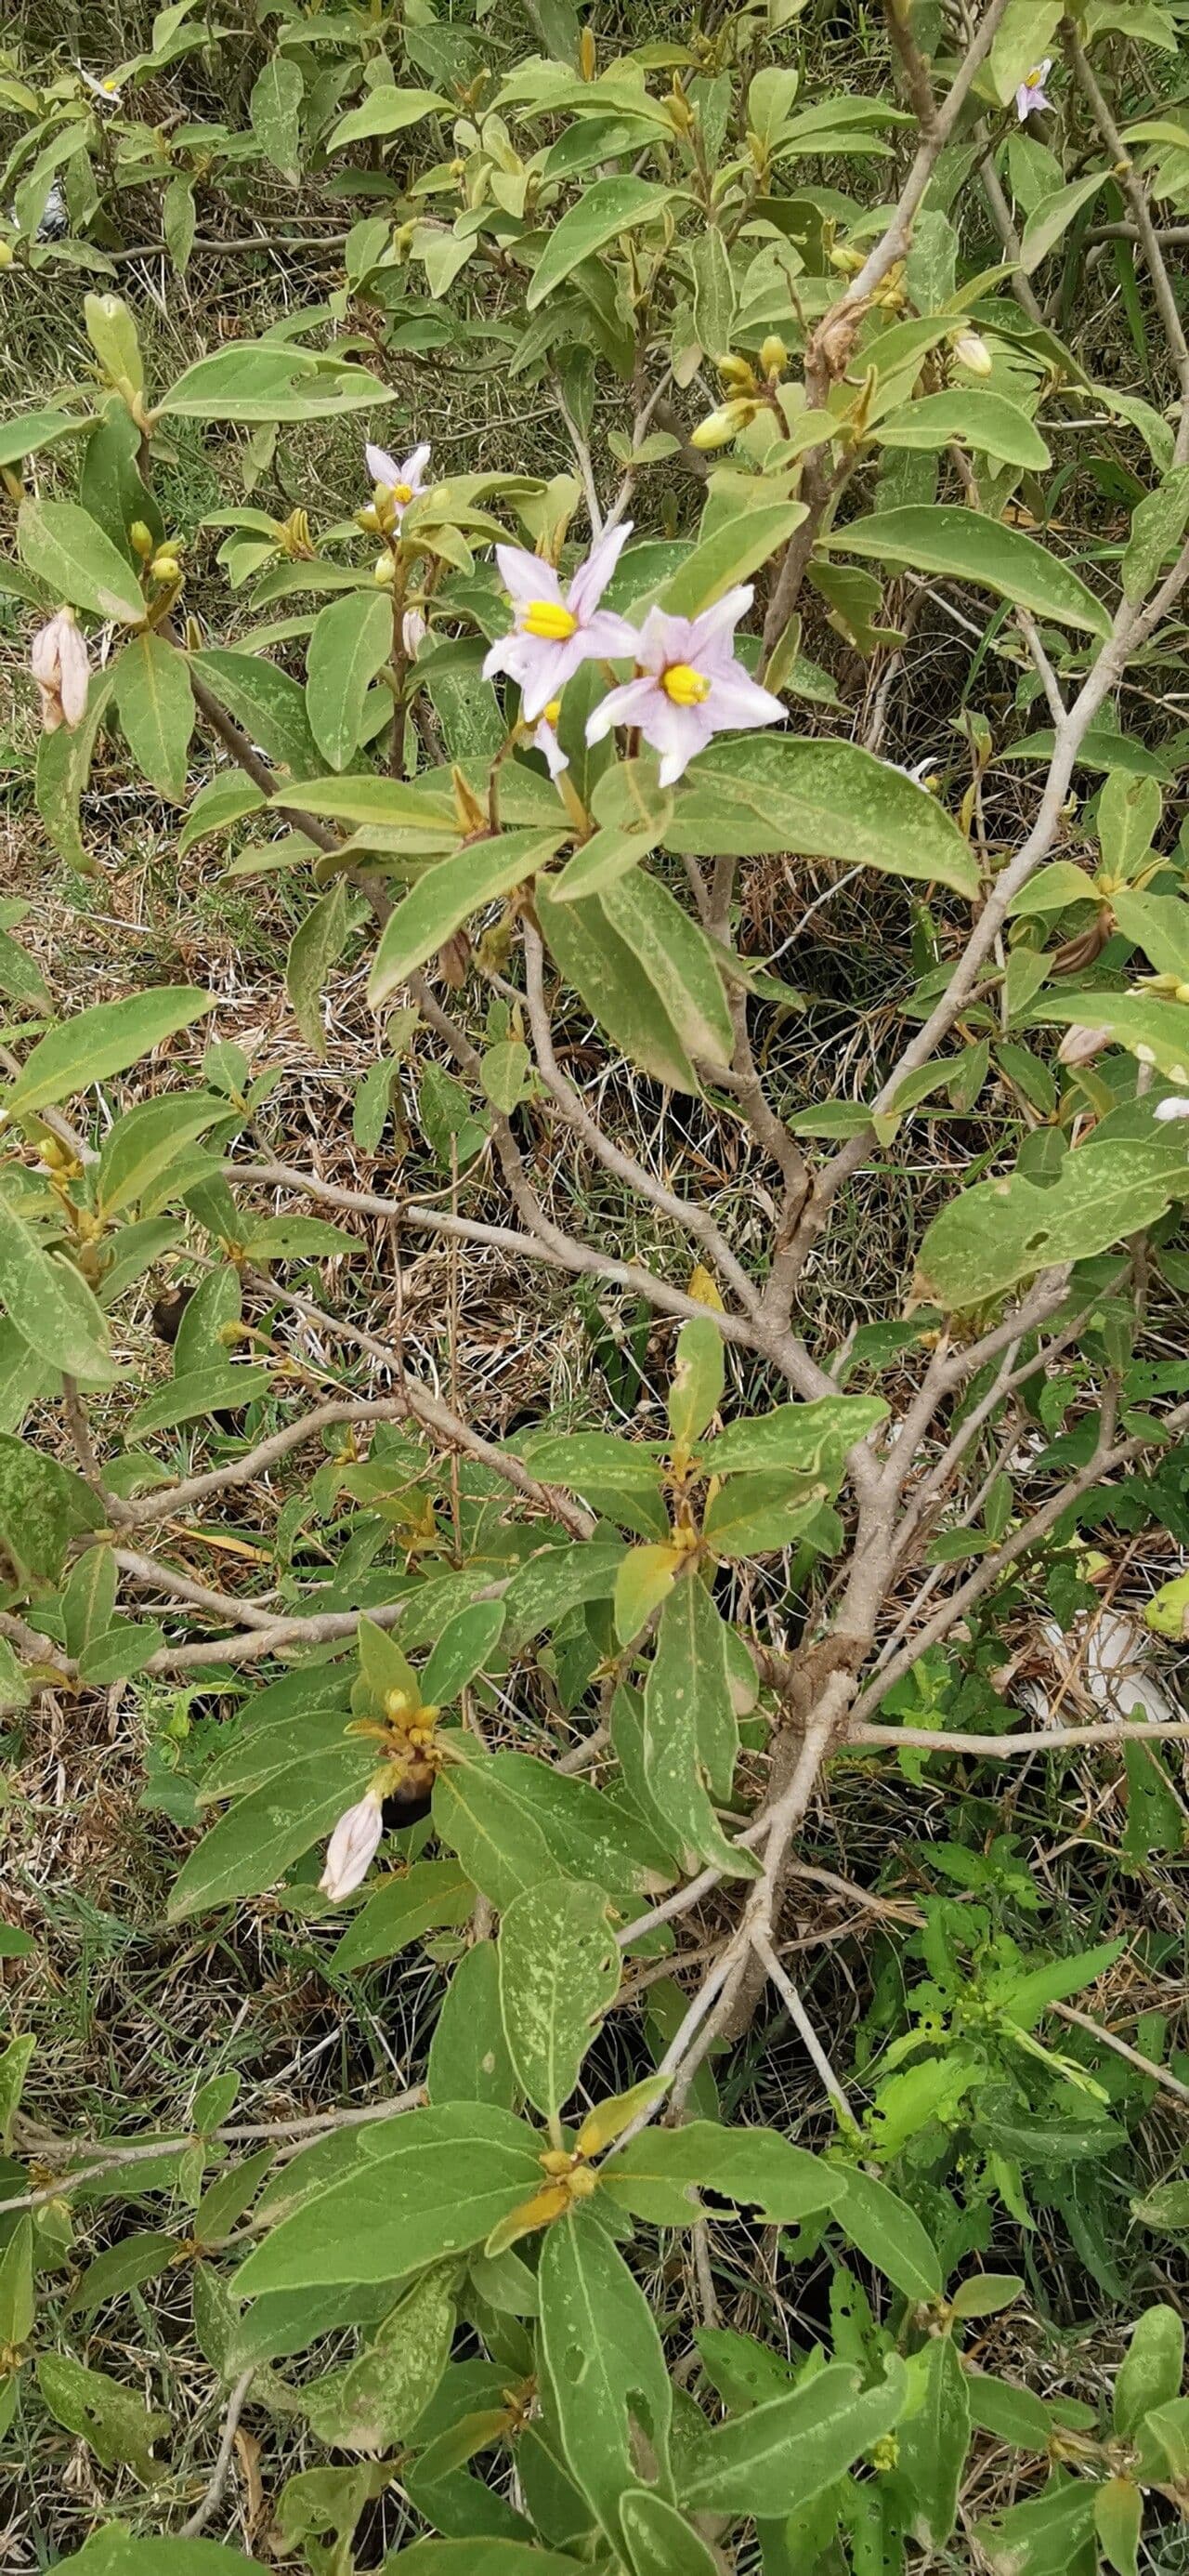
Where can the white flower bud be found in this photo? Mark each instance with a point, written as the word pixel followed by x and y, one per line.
pixel 352 1848
pixel 1080 1045
pixel 973 353
pixel 58 662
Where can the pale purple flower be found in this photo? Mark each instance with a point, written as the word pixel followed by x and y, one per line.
pixel 400 483
pixel 1173 1107
pixel 1031 92
pixel 689 685
pixel 352 1848
pixel 555 631
pixel 545 740
pixel 58 662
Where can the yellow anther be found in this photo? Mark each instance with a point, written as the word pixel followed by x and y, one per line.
pixel 553 712
pixel 402 492
pixel 549 620
pixel 685 686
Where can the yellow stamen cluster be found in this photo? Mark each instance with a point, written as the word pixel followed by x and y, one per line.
pixel 553 712
pixel 685 686
pixel 547 619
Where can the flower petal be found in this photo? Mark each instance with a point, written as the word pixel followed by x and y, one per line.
pixel 717 623
pixel 592 577
pixel 678 733
pixel 414 467
pixel 614 638
pixel 526 577
pixel 545 669
pixel 737 704
pixel 622 706
pixel 382 467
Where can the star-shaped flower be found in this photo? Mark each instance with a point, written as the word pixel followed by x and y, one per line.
pixel 556 631
pixel 689 686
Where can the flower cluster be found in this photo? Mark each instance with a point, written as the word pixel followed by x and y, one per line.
pixel 689 683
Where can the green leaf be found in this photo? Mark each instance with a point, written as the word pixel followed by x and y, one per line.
pixel 1157 527
pixel 468 2054
pixel 268 380
pixel 128 1646
pixel 514 1821
pixel 98 1042
pixel 113 337
pixel 42 1507
pixel 825 800
pixel 755 1515
pixel 179 220
pixel 607 2378
pixel 615 987
pixel 1118 2521
pixel 192 1398
pixel 266 702
pixel 678 961
pixel 734 550
pixel 1002 1231
pixel 934 2438
pixel 259 1839
pixel 68 550
pixel 1022 38
pixel 124 2267
pixel 351 641
pixel 1159 924
pixel 1042 2537
pixel 35 430
pixel 405 2193
pixel 980 420
pixel 51 1305
pixel 813 1438
pixel 970 548
pixel 447 895
pixel 1010 2413
pixel 464 1646
pixel 559 1974
pixel 373 2404
pixel 656 2177
pixel 660 2542
pixel 146 1140
pixel 714 292
pixel 699 1374
pixel 1026 1999
pixel 1152 2369
pixel 688 1714
pixel 274 109
pixel 432 1896
pixel 15 2061
pixel 606 209
pixel 89 1598
pixel 609 854
pixel 156 709
pixel 316 946
pixel 379 804
pixel 387 111
pixel 888 2233
pixel 1053 216
pixel 18 2305
pixel 111 2419
pixel 63 770
pixel 794 2446
pixel 582 1459
pixel 645 1579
